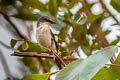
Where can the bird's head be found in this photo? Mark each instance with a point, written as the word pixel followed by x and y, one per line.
pixel 46 20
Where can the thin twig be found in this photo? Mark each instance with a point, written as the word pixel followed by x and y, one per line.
pixel 113 65
pixel 56 54
pixel 33 54
pixel 14 27
pixel 61 60
pixel 45 69
pixel 106 9
pixel 6 46
pixel 54 73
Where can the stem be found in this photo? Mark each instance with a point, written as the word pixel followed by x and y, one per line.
pixel 41 55
pixel 113 65
pixel 13 26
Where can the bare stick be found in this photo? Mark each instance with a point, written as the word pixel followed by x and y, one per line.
pixel 56 54
pixel 41 55
pixel 45 69
pixel 33 54
pixel 14 27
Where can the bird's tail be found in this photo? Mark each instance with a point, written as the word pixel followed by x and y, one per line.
pixel 58 63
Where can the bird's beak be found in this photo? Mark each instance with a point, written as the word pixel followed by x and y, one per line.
pixel 52 22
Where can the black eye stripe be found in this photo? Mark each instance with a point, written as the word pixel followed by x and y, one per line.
pixel 45 18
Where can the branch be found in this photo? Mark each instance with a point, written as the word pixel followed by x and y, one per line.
pixel 33 54
pixel 13 26
pixel 42 55
pixel 6 46
pixel 101 40
pixel 45 69
pixel 113 65
pixel 57 56
pixel 105 8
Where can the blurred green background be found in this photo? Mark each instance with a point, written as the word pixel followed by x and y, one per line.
pixel 84 26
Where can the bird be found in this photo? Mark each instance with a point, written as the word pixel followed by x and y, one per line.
pixel 45 36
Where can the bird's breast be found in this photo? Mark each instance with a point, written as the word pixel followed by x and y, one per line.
pixel 44 37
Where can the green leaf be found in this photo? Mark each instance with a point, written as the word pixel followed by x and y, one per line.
pixel 115 41
pixel 13 43
pixel 116 68
pixel 31 63
pixel 107 32
pixel 114 74
pixel 86 69
pixel 103 74
pixel 32 47
pixel 25 46
pixel 94 17
pixel 37 77
pixel 62 35
pixel 53 8
pixel 115 4
pixel 35 4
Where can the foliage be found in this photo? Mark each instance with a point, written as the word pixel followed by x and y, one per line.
pixel 37 77
pixel 79 29
pixel 83 70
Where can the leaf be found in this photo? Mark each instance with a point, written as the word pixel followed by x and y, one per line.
pixel 107 32
pixel 33 47
pixel 86 69
pixel 37 77
pixel 62 35
pixel 115 41
pixel 25 46
pixel 115 4
pixel 103 74
pixel 13 43
pixel 53 8
pixel 114 74
pixel 48 63
pixel 31 63
pixel 116 24
pixel 35 4
pixel 94 17
pixel 117 62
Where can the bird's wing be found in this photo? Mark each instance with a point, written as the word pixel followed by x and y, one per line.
pixel 54 40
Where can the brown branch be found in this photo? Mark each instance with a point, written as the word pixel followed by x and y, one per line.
pixel 6 46
pixel 33 54
pixel 106 9
pixel 60 59
pixel 42 55
pixel 13 26
pixel 45 69
pixel 56 54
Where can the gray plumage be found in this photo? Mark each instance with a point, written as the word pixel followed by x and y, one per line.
pixel 44 34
